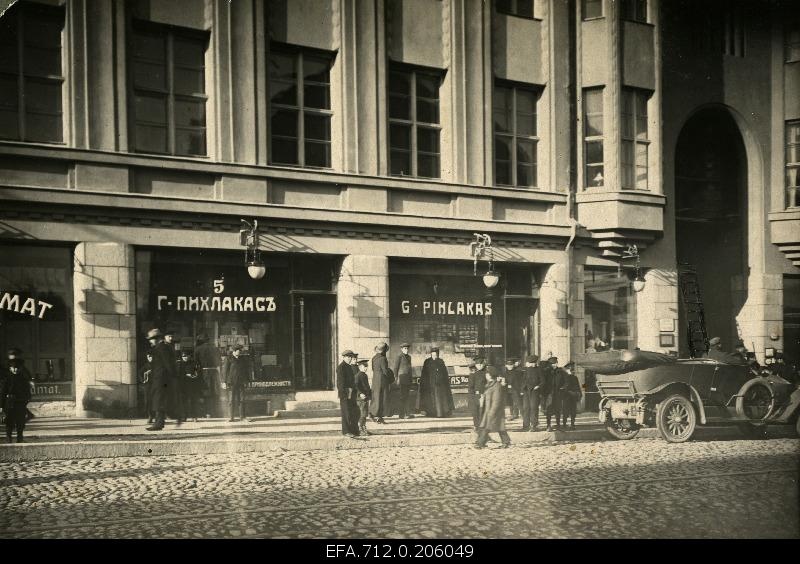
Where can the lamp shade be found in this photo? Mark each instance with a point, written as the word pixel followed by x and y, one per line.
pixel 638 283
pixel 491 278
pixel 256 269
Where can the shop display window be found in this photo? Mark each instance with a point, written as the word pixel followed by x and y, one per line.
pixel 610 315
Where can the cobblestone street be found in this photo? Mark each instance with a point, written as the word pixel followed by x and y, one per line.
pixel 639 488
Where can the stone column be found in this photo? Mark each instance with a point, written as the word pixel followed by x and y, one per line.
pixel 243 88
pixel 762 312
pixel 100 74
pixel 657 302
pixel 362 296
pixel 105 329
pixel 555 314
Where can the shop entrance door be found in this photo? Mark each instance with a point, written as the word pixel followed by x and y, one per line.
pixel 313 343
pixel 522 335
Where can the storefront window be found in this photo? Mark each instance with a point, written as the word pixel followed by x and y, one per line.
pixel 36 315
pixel 610 310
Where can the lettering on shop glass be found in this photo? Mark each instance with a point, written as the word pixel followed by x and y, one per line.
pixel 11 302
pixel 447 308
pixel 216 303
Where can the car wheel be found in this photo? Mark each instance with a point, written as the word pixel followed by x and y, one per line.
pixel 622 429
pixel 752 431
pixel 676 419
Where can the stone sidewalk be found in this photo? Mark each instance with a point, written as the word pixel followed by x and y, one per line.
pixel 73 438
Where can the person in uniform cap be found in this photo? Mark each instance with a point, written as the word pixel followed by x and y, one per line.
pixel 236 375
pixel 345 386
pixel 513 380
pixel 531 387
pixel 160 377
pixel 553 388
pixel 438 397
pixel 570 395
pixel 363 395
pixel 382 379
pixel 403 373
pixel 494 411
pixel 476 387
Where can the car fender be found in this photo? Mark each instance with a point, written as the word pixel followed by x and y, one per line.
pixel 682 387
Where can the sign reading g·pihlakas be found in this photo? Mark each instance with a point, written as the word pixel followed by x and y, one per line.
pixel 13 302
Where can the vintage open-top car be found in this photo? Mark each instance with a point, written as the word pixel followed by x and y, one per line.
pixel 641 388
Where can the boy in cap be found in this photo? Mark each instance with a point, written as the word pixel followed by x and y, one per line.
pixel 571 395
pixel 345 385
pixel 531 386
pixel 363 395
pixel 402 371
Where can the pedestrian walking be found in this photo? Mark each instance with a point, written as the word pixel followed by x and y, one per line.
pixel 513 379
pixel 15 353
pixel 160 379
pixel 363 395
pixel 571 395
pixel 382 379
pixel 553 389
pixel 191 385
pixel 403 373
pixel 493 417
pixel 175 401
pixel 476 388
pixel 531 387
pixel 147 370
pixel 15 392
pixel 238 373
pixel 345 386
pixel 209 361
pixel 437 397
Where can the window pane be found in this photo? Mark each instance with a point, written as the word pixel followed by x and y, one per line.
pixel 317 127
pixel 283 93
pixel 641 127
pixel 627 152
pixel 400 136
pixel 42 62
pixel 316 97
pixel 503 6
pixel 793 133
pixel 627 176
pixel 593 101
pixel 427 112
pixel 526 175
pixel 594 125
pixel 190 113
pixel 42 96
pixel 592 9
pixel 793 154
pixel 594 152
pixel 502 121
pixel 427 140
pixel 400 163
pixel 188 52
pixel 525 8
pixel 318 154
pixel 594 175
pixel 428 166
pixel 502 148
pixel 641 166
pixel 284 151
pixel 151 139
pixel 315 69
pixel 282 66
pixel 641 178
pixel 526 124
pixel 9 124
pixel 190 141
pixel 43 28
pixel 526 151
pixel 187 81
pixel 8 91
pixel 148 46
pixel 149 76
pixel 284 122
pixel 793 176
pixel 151 109
pixel 626 123
pixel 526 102
pixel 399 107
pixel 399 83
pixel 427 86
pixel 503 98
pixel 502 172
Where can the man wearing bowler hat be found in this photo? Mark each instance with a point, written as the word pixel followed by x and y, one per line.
pixel 160 379
pixel 345 386
pixel 402 371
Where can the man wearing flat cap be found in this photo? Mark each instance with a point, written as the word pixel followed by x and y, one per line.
pixel 382 379
pixel 160 379
pixel 476 387
pixel 402 371
pixel 346 388
pixel 438 397
pixel 363 395
pixel 236 375
pixel 531 388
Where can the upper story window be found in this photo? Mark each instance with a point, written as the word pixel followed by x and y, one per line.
pixel 634 10
pixel 593 137
pixel 521 8
pixel 515 135
pixel 592 9
pixel 414 122
pixel 168 101
pixel 793 164
pixel 31 76
pixel 634 139
pixel 792 41
pixel 300 107
pixel 732 36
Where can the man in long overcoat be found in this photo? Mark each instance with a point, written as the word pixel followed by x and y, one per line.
pixel 15 393
pixel 237 375
pixel 160 368
pixel 402 371
pixel 476 387
pixel 208 358
pixel 345 386
pixel 570 396
pixel 438 398
pixel 382 379
pixel 175 401
pixel 493 418
pixel 553 390
pixel 531 387
pixel 513 379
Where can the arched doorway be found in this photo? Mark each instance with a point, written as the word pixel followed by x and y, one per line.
pixel 711 215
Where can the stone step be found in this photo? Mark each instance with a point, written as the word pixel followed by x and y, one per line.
pixel 307 414
pixel 310 405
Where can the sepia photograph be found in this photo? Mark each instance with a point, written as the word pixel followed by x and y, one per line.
pixel 431 279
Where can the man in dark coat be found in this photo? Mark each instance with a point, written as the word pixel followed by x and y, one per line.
pixel 402 371
pixel 175 401
pixel 237 375
pixel 160 368
pixel 570 396
pixel 476 387
pixel 382 379
pixel 531 387
pixel 15 392
pixel 145 381
pixel 209 361
pixel 363 395
pixel 715 352
pixel 553 388
pixel 493 418
pixel 513 379
pixel 191 385
pixel 438 398
pixel 16 353
pixel 345 386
